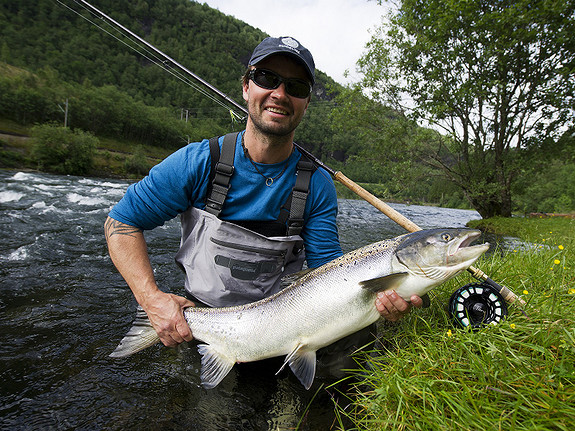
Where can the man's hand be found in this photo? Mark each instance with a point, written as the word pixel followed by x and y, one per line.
pixel 129 253
pixel 165 312
pixel 393 307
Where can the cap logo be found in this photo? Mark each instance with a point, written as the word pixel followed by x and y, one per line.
pixel 291 42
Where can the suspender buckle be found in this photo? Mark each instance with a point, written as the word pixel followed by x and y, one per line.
pixel 225 169
pixel 295 226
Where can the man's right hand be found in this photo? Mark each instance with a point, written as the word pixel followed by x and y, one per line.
pixel 165 312
pixel 129 253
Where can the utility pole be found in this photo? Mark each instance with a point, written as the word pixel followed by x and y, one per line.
pixel 65 111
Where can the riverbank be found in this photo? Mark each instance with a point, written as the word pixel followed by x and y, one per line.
pixel 112 158
pixel 528 228
pixel 517 375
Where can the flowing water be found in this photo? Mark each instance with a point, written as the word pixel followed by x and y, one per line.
pixel 63 309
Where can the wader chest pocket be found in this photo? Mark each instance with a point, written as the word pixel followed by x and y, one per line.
pixel 248 262
pixel 243 270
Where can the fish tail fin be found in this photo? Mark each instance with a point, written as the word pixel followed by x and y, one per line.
pixel 141 335
pixel 215 366
pixel 302 363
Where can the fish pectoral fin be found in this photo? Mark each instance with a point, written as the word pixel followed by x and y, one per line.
pixel 215 366
pixel 141 335
pixel 302 363
pixel 383 283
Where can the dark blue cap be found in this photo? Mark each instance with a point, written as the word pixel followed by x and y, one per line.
pixel 284 45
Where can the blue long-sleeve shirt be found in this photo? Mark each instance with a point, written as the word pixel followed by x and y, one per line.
pixel 181 180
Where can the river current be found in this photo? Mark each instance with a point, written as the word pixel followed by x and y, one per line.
pixel 64 308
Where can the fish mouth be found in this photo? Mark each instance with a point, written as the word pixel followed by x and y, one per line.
pixel 464 241
pixel 464 251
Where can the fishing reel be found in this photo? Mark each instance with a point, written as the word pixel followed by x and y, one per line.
pixel 477 304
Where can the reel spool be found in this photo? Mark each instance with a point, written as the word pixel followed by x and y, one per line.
pixel 477 304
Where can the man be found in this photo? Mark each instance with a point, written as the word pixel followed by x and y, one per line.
pixel 264 167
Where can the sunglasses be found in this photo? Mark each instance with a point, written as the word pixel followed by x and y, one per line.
pixel 270 81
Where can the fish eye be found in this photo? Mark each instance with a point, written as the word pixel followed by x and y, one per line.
pixel 446 237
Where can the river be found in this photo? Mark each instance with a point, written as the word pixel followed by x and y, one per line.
pixel 63 309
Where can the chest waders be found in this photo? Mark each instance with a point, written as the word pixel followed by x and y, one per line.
pixel 236 263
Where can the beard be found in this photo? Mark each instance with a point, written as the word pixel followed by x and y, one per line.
pixel 272 127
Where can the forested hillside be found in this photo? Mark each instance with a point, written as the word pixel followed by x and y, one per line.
pixel 46 33
pixel 48 38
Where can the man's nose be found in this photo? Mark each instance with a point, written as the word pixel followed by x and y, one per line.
pixel 280 91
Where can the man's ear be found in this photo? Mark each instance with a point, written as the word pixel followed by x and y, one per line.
pixel 245 88
pixel 307 104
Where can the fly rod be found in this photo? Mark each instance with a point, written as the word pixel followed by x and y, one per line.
pixel 167 62
pixel 394 215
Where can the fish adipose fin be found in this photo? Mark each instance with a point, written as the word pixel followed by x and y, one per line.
pixel 215 366
pixel 141 335
pixel 384 283
pixel 302 363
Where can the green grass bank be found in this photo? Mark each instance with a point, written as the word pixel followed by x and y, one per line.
pixel 518 375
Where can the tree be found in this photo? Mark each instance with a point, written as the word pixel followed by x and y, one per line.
pixel 63 151
pixel 487 75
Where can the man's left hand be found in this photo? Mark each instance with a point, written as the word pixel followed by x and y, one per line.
pixel 393 307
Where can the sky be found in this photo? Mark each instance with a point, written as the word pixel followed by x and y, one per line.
pixel 335 31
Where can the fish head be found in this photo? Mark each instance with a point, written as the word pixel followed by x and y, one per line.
pixel 433 256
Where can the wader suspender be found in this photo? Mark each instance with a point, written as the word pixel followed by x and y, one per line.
pixel 223 169
pixel 298 196
pixel 221 172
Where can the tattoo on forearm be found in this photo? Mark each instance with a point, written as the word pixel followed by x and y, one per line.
pixel 114 227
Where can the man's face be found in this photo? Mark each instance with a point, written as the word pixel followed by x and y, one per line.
pixel 275 112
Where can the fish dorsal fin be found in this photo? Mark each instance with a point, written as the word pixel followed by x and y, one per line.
pixel 141 335
pixel 302 363
pixel 384 283
pixel 215 366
